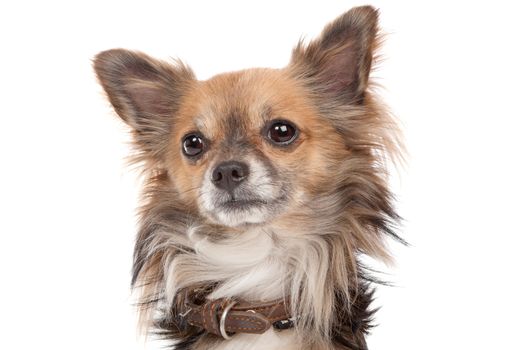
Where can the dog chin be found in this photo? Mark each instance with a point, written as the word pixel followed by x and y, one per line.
pixel 241 213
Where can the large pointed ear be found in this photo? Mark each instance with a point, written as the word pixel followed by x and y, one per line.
pixel 339 61
pixel 145 93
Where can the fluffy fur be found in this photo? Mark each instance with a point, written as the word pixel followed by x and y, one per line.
pixel 321 202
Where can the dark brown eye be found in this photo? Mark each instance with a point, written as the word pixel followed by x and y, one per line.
pixel 282 133
pixel 192 145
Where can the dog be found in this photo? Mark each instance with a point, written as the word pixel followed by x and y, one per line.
pixel 264 190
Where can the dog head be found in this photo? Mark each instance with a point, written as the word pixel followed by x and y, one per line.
pixel 254 146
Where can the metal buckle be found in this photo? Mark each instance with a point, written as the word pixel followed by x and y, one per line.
pixel 222 326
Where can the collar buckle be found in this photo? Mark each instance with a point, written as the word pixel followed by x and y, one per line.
pixel 222 324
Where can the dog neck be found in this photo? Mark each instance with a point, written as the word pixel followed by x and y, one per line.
pixel 301 262
pixel 249 266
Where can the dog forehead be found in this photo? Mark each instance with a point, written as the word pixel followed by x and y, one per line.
pixel 240 100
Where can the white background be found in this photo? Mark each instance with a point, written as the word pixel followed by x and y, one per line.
pixel 453 74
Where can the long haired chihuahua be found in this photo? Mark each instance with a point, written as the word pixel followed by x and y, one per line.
pixel 264 189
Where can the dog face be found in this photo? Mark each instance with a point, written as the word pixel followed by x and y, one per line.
pixel 249 145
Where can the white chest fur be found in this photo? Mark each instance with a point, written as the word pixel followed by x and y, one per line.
pixel 271 340
pixel 252 270
pixel 249 265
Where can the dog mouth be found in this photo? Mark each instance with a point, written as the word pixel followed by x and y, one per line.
pixel 237 204
pixel 236 211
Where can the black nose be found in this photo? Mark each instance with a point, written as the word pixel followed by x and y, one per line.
pixel 229 175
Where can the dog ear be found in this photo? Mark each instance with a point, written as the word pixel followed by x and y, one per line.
pixel 339 61
pixel 145 93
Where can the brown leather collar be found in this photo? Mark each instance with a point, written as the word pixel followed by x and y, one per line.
pixel 223 316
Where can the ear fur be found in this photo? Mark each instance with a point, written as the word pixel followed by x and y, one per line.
pixel 339 61
pixel 145 93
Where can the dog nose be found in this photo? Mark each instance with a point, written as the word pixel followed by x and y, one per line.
pixel 228 175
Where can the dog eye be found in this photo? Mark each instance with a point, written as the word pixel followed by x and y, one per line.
pixel 192 145
pixel 282 133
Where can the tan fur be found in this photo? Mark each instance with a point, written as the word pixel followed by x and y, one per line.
pixel 252 91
